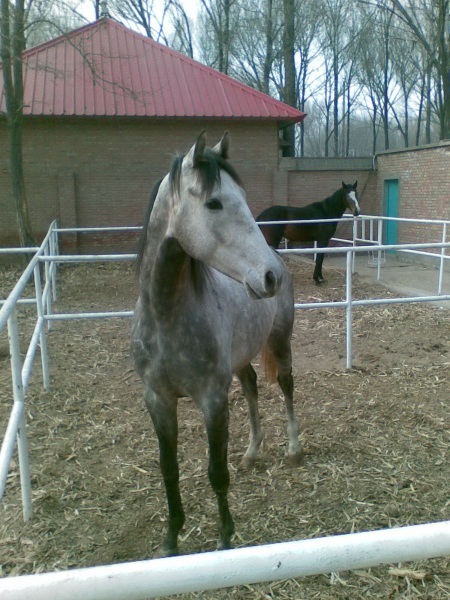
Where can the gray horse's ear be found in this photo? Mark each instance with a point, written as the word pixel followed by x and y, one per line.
pixel 196 153
pixel 223 147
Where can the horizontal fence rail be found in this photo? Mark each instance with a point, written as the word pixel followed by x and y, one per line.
pixel 215 570
pixel 249 565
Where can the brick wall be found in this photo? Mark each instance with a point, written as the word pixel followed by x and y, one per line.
pixel 423 176
pixel 101 172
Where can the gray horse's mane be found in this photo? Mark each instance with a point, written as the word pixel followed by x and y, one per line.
pixel 208 170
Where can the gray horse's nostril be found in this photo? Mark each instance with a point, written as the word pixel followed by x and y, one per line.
pixel 271 282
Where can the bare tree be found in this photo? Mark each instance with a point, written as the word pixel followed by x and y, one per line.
pixel 141 13
pixel 256 45
pixel 219 19
pixel 46 20
pixel 261 51
pixel 375 69
pixel 405 71
pixel 11 48
pixel 308 19
pixel 339 34
pixel 183 37
pixel 429 21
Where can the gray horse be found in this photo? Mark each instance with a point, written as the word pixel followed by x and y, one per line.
pixel 212 295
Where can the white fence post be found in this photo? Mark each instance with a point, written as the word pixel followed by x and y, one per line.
pixel 42 335
pixel 54 250
pixel 441 260
pixel 348 299
pixel 380 241
pixel 48 281
pixel 22 442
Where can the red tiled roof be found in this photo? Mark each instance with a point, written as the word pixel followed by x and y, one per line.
pixel 105 69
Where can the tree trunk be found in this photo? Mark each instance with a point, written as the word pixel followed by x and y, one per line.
pixel 302 108
pixel 226 38
pixel 428 108
pixel 420 110
pixel 268 59
pixel 385 92
pixel 444 64
pixel 406 132
pixel 26 237
pixel 336 104
pixel 374 129
pixel 11 54
pixel 289 68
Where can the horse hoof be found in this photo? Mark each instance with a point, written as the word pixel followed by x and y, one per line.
pixel 247 462
pixel 297 459
pixel 164 552
pixel 319 281
pixel 224 545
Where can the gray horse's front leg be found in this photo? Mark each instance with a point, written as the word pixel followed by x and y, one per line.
pixel 163 412
pixel 215 410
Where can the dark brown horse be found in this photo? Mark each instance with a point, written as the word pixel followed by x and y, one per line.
pixel 332 207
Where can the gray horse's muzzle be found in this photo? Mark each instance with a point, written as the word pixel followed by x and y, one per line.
pixel 271 285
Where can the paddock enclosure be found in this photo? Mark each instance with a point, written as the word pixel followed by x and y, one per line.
pixel 376 440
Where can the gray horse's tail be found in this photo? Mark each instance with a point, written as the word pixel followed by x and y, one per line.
pixel 270 367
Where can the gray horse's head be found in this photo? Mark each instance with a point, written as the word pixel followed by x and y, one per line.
pixel 210 218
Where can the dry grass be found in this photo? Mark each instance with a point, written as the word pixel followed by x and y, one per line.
pixel 376 441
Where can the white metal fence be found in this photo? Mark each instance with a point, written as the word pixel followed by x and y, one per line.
pixel 434 538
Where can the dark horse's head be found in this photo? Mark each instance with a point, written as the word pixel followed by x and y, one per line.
pixel 351 198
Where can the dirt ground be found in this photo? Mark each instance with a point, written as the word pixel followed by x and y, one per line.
pixel 376 440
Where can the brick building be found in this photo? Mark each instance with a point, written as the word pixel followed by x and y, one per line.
pixel 106 108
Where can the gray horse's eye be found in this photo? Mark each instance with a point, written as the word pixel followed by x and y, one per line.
pixel 214 204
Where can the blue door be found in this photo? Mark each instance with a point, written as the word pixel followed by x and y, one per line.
pixel 391 210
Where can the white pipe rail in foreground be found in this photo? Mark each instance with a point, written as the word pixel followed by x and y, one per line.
pixel 215 570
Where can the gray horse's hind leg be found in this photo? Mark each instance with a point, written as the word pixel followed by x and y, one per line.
pixel 294 453
pixel 164 416
pixel 217 419
pixel 247 377
pixel 282 353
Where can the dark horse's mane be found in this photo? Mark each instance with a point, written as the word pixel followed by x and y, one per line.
pixel 208 170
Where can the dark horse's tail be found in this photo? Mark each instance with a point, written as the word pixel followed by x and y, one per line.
pixel 272 233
